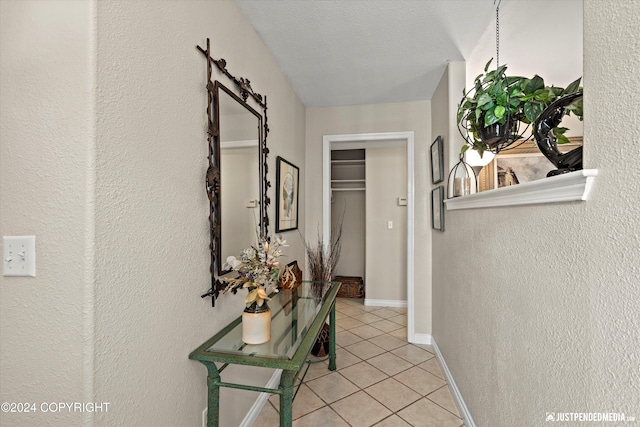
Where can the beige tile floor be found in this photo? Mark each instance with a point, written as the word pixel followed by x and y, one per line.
pixel 381 380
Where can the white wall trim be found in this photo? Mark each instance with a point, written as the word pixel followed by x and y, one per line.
pixel 455 392
pixel 408 137
pixel 569 187
pixel 384 302
pixel 256 408
pixel 425 339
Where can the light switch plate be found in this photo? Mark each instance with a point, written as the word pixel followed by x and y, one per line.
pixel 19 256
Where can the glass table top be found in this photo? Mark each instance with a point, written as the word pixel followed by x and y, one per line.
pixel 292 313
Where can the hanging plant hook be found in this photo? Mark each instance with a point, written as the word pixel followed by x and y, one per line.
pixel 497 32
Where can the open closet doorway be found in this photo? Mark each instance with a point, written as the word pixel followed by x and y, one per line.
pixel 375 141
pixel 348 207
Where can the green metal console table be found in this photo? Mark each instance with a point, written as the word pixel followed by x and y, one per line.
pixel 297 318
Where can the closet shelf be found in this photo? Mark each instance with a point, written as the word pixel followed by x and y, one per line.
pixel 348 171
pixel 349 189
pixel 348 162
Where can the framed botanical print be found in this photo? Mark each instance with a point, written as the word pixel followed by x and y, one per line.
pixel 287 190
pixel 437 161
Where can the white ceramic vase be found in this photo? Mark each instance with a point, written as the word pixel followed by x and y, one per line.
pixel 256 324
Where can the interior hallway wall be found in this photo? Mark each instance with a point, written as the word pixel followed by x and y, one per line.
pixel 386 247
pixel 443 120
pixel 541 312
pixel 392 117
pixel 47 59
pixel 152 227
pixel 103 120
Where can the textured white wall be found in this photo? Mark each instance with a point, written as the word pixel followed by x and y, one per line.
pixel 46 179
pixel 386 249
pixel 443 119
pixel 112 94
pixel 539 312
pixel 394 117
pixel 554 37
pixel 152 210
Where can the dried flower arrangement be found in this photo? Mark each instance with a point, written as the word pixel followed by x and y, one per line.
pixel 258 268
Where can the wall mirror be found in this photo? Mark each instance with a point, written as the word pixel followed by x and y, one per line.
pixel 240 170
pixel 236 178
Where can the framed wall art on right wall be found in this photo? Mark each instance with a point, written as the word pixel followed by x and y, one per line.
pixel 437 208
pixel 437 161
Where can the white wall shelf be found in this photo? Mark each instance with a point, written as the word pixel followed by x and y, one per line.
pixel 573 186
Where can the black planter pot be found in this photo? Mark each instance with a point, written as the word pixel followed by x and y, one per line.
pixel 498 135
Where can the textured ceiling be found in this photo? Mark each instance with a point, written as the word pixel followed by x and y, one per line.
pixel 347 52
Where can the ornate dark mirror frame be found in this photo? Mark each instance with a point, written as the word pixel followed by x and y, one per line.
pixel 212 181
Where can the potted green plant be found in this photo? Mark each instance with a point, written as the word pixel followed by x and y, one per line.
pixel 492 112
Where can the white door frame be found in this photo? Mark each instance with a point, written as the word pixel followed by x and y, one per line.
pixel 372 138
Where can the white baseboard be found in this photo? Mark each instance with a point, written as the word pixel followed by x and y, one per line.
pixel 262 399
pixel 425 339
pixel 457 396
pixel 384 303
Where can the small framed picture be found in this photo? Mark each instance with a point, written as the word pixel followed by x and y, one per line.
pixel 437 161
pixel 287 181
pixel 437 208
